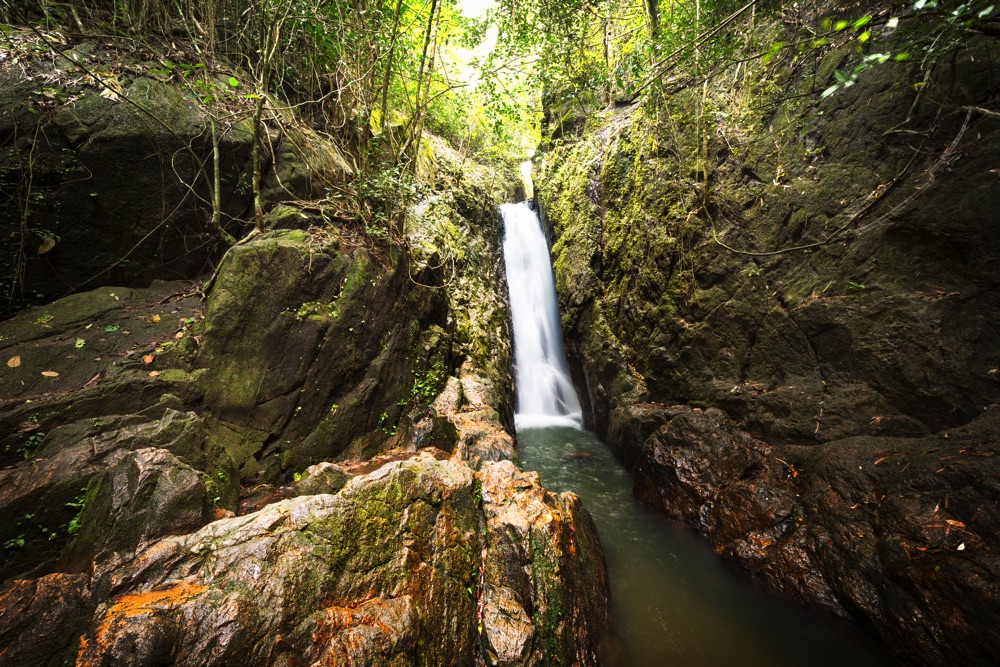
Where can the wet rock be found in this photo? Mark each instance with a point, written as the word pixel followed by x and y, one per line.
pixel 323 477
pixel 387 571
pixel 40 618
pixel 144 495
pixel 630 426
pixel 43 493
pixel 897 535
pixel 545 582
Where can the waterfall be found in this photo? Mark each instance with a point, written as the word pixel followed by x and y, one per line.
pixel 545 393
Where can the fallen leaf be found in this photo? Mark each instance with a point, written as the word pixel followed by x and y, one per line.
pixel 952 522
pixel 111 327
pixel 50 374
pixel 93 380
pixel 179 335
pixel 79 343
pixel 14 361
pixel 148 359
pixel 961 547
pixel 153 374
pixel 47 245
pixel 156 318
pixel 25 427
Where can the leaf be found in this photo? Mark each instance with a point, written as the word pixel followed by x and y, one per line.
pixel 863 37
pixel 179 335
pixel 50 374
pixel 233 82
pixel 156 318
pixel 900 57
pixel 47 245
pixel 79 343
pixel 986 12
pixel 148 359
pixel 14 361
pixel 840 25
pixel 154 374
pixel 840 76
pixel 961 547
pixel 863 21
pixel 892 23
pixel 112 327
pixel 27 427
pixel 919 4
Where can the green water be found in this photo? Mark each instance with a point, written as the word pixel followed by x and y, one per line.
pixel 674 602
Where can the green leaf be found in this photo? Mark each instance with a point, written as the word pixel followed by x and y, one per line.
pixel 772 52
pixel 863 37
pixel 861 22
pixel 840 76
pixel 111 327
pixel 841 25
pixel 233 82
pixel 986 12
pixel 79 343
pixel 900 57
pixel 919 4
pixel 830 91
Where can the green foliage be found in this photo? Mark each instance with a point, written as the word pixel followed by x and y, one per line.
pixel 427 384
pixel 74 525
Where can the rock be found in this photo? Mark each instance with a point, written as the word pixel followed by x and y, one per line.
pixel 545 582
pixel 96 166
pixel 144 495
pixel 43 493
pixel 385 572
pixel 897 535
pixel 323 477
pixel 40 619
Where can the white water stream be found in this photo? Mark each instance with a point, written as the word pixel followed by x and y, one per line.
pixel 545 393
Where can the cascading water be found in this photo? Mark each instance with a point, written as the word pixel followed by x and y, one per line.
pixel 545 393
pixel 672 601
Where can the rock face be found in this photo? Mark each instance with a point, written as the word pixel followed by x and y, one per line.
pixel 830 289
pixel 138 168
pixel 384 572
pixel 897 534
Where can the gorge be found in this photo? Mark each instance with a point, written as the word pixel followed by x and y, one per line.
pixel 278 387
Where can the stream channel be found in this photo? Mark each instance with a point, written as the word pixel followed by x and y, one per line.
pixel 673 601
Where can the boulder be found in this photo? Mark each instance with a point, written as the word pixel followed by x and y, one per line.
pixel 897 535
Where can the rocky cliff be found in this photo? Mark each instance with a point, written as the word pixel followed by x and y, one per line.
pixel 811 282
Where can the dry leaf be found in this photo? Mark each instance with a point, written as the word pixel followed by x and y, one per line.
pixel 961 547
pixel 25 427
pixel 93 380
pixel 148 359
pixel 156 318
pixel 50 374
pixel 14 361
pixel 179 335
pixel 47 245
pixel 153 374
